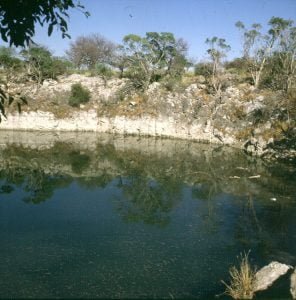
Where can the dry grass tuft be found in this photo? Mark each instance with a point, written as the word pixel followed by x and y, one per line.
pixel 242 280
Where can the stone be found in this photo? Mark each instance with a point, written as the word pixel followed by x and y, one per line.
pixel 293 284
pixel 251 107
pixel 267 275
pixel 201 79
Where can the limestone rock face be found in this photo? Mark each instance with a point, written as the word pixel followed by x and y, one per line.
pixel 267 275
pixel 190 111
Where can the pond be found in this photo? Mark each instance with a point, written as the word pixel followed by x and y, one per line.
pixel 84 215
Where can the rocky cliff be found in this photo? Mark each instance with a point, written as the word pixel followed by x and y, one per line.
pixel 257 121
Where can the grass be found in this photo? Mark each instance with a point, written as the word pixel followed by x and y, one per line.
pixel 242 280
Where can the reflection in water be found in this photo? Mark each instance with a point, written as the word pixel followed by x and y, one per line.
pixel 177 209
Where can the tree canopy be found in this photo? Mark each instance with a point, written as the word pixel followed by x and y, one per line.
pixel 88 51
pixel 18 18
pixel 153 57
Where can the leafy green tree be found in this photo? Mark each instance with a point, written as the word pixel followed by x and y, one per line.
pixel 9 62
pixel 8 57
pixel 217 51
pixel 40 64
pixel 153 57
pixel 203 69
pixel 18 20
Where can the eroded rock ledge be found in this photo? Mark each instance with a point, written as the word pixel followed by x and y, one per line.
pixel 256 121
pixel 89 121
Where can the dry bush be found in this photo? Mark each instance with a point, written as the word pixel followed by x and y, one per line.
pixel 242 280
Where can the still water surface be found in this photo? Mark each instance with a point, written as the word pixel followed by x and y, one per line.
pixel 92 216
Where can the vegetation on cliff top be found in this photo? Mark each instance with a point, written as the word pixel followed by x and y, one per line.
pixel 268 64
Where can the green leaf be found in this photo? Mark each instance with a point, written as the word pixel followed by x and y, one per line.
pixel 50 28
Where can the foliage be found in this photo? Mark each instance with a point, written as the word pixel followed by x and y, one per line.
pixel 259 47
pixel 79 95
pixel 239 66
pixel 152 57
pixel 41 65
pixel 8 59
pixel 88 51
pixel 102 70
pixel 17 27
pixel 18 18
pixel 242 280
pixel 280 71
pixel 217 52
pixel 203 69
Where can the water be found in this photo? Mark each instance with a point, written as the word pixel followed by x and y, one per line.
pixel 88 216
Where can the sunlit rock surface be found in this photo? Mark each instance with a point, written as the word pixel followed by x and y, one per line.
pixel 267 275
pixel 293 284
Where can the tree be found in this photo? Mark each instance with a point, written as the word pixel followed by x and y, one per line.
pixel 18 20
pixel 9 62
pixel 217 52
pixel 258 47
pixel 153 57
pixel 88 51
pixel 284 52
pixel 40 64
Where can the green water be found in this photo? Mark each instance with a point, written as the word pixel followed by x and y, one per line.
pixel 88 216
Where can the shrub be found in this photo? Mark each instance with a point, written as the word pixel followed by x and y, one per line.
pixel 204 69
pixel 102 70
pixel 79 95
pixel 242 280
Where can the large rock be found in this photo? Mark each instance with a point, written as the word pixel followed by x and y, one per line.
pixel 266 276
pixel 293 284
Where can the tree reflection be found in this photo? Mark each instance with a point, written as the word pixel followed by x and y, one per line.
pixel 151 183
pixel 35 183
pixel 146 200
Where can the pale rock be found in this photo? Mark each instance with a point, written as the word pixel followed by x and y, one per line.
pixel 250 107
pixel 192 87
pixel 153 86
pixel 260 98
pixel 293 284
pixel 201 79
pixel 267 275
pixel 233 92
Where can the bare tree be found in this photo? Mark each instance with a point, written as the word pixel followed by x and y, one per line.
pixel 87 51
pixel 258 47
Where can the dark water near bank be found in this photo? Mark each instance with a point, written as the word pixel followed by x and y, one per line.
pixel 100 217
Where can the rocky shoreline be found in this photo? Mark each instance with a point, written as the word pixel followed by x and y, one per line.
pixel 240 117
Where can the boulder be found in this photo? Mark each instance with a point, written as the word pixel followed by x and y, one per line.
pixel 267 275
pixel 293 284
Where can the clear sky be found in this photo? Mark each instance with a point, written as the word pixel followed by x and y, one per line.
pixel 193 20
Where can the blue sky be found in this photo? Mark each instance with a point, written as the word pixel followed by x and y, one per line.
pixel 193 20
